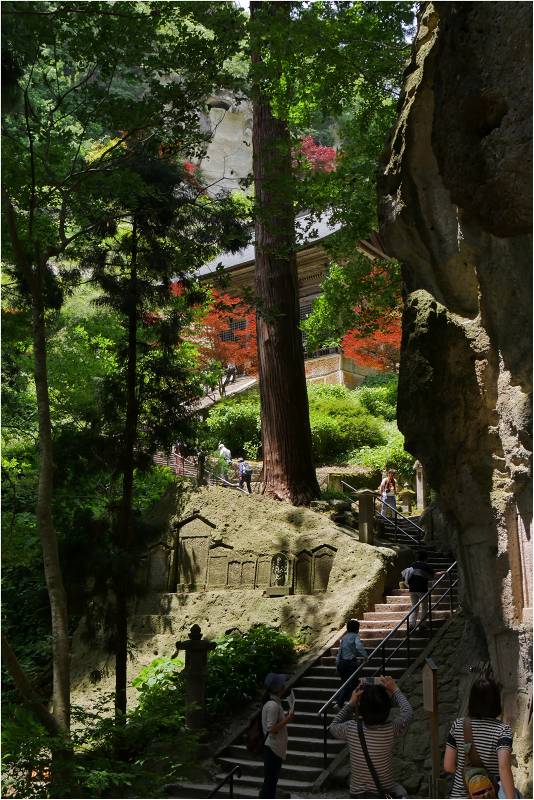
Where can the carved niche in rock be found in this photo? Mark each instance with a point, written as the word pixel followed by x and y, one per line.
pixel 263 571
pixel 323 558
pixel 279 570
pixel 218 570
pixel 193 549
pixel 303 572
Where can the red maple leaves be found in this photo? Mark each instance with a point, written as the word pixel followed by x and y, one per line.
pixel 379 349
pixel 319 157
pixel 226 333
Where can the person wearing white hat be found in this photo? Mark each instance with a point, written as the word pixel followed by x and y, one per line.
pixel 274 721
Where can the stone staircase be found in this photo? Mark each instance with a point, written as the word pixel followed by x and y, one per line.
pixel 304 764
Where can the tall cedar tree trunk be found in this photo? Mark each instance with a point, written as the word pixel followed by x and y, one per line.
pixel 125 513
pixel 289 472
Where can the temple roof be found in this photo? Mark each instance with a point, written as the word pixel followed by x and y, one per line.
pixel 308 233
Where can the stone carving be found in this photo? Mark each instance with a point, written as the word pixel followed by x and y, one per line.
pixel 279 570
pixel 197 563
pixel 323 558
pixel 248 573
pixel 193 562
pixel 234 574
pixel 263 571
pixel 303 573
pixel 218 571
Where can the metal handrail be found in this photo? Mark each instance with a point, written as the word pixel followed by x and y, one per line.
pixel 237 771
pixel 427 596
pixel 397 514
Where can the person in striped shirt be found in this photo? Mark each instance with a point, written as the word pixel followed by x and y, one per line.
pixel 373 702
pixel 491 736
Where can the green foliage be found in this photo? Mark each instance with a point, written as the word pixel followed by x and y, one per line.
pixel 240 662
pixel 236 668
pixel 379 397
pixel 235 422
pixel 108 760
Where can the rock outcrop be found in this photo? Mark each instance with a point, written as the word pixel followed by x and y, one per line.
pixel 455 210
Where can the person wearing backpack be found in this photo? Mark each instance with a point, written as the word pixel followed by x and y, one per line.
pixel 349 657
pixel 479 747
pixel 245 474
pixel 372 737
pixel 274 721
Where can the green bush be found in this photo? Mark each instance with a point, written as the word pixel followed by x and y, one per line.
pixel 378 395
pixel 235 424
pixel 390 455
pixel 240 662
pixel 235 669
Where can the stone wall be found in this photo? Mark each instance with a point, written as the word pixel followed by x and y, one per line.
pixel 455 209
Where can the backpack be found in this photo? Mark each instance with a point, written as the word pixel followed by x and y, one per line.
pixel 477 779
pixel 255 738
pixel 247 470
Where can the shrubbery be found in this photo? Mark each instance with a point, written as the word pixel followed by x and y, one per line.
pixel 154 740
pixel 339 424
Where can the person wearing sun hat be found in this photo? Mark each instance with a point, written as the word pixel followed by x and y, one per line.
pixel 274 721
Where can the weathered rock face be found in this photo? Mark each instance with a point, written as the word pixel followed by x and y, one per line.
pixel 455 209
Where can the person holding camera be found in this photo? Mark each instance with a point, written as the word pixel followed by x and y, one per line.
pixel 371 737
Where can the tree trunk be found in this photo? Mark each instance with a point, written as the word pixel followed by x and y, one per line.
pixel 54 580
pixel 289 472
pixel 26 691
pixel 47 533
pixel 125 515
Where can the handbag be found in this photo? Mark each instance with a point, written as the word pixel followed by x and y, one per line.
pixel 380 791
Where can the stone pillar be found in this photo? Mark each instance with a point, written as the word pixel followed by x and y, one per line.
pixel 420 485
pixel 366 515
pixel 195 671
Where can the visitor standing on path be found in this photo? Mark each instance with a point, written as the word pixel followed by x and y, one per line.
pixel 388 491
pixel 274 721
pixel 491 738
pixel 375 734
pixel 350 655
pixel 245 474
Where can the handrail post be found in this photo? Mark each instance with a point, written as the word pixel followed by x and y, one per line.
pixel 407 642
pixel 231 787
pixel 430 611
pixel 383 660
pixel 451 602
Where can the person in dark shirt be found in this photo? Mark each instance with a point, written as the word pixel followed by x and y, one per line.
pixel 421 573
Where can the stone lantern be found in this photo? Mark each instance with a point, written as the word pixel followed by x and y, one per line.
pixel 195 671
pixel 407 498
pixel 366 515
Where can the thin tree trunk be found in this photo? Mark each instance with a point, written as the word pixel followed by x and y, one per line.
pixel 289 472
pixel 45 525
pixel 26 691
pixel 47 534
pixel 125 515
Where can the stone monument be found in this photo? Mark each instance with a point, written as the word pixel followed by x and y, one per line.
pixel 195 671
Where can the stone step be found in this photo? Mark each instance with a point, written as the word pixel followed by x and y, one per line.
pixel 193 790
pixel 405 606
pixel 375 618
pixel 305 743
pixel 312 757
pixel 284 783
pixel 253 767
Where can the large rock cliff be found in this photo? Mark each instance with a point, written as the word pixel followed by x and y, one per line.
pixel 455 210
